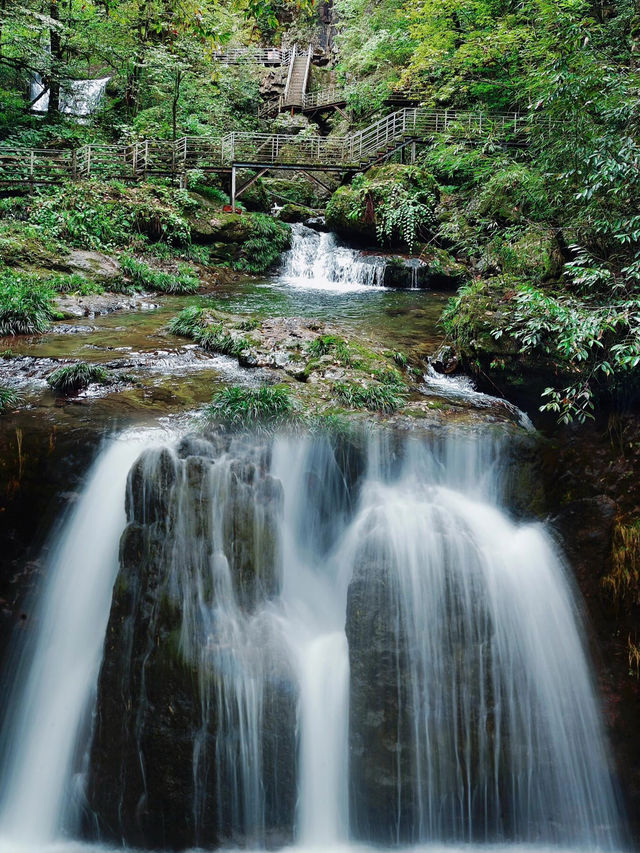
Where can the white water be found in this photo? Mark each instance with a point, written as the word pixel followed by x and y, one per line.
pixel 317 261
pixel 505 735
pixel 77 97
pixel 462 388
pixel 60 670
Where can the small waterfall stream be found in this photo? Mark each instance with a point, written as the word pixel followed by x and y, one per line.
pixel 56 675
pixel 77 97
pixel 317 260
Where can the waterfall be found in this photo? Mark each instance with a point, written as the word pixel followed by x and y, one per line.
pixel 56 674
pixel 316 260
pixel 313 639
pixel 77 97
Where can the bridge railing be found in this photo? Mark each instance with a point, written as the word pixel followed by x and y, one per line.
pixel 325 97
pixel 286 150
pixel 260 55
pixel 168 158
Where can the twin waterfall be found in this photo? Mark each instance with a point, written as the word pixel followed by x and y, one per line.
pixel 312 640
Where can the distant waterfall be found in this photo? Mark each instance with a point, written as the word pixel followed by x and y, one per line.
pixel 316 260
pixel 77 97
pixel 457 705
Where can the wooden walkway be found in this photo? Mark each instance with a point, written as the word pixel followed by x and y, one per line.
pixel 259 152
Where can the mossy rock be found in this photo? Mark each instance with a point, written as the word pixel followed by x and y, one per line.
pixel 295 213
pixel 296 191
pixel 255 198
pixel 219 227
pixel 340 218
pixel 444 271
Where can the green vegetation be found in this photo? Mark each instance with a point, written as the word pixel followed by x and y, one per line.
pixel 205 328
pixel 265 242
pixel 238 407
pixel 73 378
pixel 331 345
pixel 9 398
pixel 188 322
pixel 394 203
pixel 376 398
pixel 185 280
pixel 26 304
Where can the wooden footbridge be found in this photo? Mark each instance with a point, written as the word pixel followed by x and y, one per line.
pixel 258 152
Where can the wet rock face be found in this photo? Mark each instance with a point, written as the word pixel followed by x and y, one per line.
pixel 200 554
pixel 378 718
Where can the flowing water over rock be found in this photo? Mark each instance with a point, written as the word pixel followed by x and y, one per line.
pixel 77 97
pixel 313 640
pixel 316 260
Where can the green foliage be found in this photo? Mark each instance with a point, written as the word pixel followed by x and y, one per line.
pixel 376 398
pixel 94 215
pixel 143 276
pixel 26 304
pixel 73 378
pixel 238 407
pixel 193 322
pixel 268 238
pixel 399 201
pixel 592 349
pixel 9 398
pixel 331 345
pixel 188 322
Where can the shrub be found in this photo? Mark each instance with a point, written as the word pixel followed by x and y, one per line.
pixel 73 378
pixel 242 408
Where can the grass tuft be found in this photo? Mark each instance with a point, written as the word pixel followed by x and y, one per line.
pixel 331 345
pixel 244 408
pixel 375 398
pixel 143 276
pixel 188 322
pixel 26 305
pixel 9 398
pixel 73 378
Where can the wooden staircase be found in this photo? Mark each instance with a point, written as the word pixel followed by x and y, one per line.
pixel 297 79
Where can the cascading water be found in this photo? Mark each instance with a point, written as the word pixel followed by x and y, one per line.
pixel 77 97
pixel 316 260
pixel 56 675
pixel 323 639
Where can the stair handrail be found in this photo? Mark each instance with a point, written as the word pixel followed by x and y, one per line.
pixel 292 59
pixel 307 69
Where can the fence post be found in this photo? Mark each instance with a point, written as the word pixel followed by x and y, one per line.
pixel 233 189
pixel 88 161
pixel 74 164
